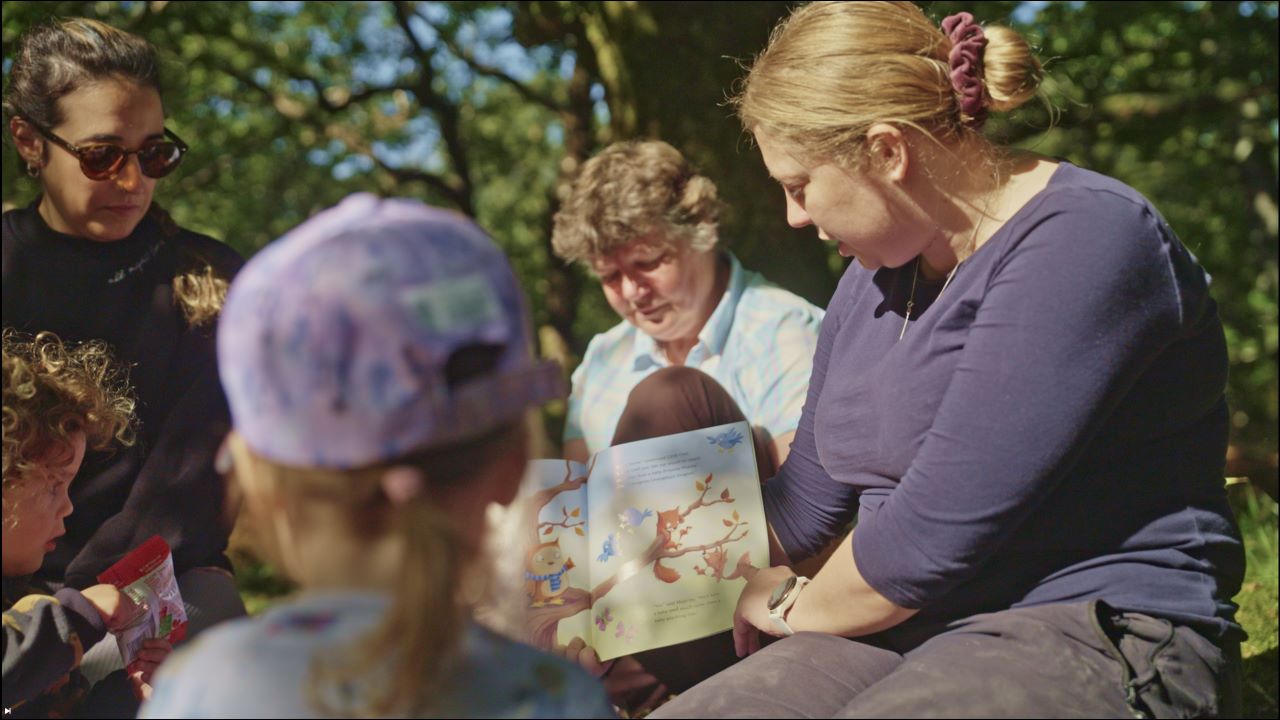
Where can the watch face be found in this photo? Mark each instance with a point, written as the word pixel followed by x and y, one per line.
pixel 780 593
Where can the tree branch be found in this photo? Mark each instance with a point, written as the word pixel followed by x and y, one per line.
pixel 544 496
pixel 480 69
pixel 448 116
pixel 715 561
pixel 728 538
pixel 455 194
pixel 295 111
pixel 349 98
pixel 701 501
pixel 563 523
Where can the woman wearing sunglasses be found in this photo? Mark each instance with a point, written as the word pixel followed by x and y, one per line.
pixel 94 258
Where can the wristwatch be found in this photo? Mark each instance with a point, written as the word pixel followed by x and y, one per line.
pixel 783 597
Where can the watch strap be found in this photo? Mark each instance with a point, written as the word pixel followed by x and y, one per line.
pixel 779 614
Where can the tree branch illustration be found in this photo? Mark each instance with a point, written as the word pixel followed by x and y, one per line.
pixel 544 528
pixel 702 499
pixel 728 538
pixel 715 560
pixel 542 498
pixel 542 622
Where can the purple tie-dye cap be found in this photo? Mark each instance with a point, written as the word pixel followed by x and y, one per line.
pixel 334 340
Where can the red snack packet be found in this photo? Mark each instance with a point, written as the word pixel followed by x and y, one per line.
pixel 146 576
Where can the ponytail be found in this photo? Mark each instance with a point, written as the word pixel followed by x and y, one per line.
pixel 310 518
pixel 419 634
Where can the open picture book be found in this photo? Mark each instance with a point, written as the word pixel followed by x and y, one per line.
pixel 647 545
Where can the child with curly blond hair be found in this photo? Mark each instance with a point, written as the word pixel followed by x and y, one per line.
pixel 59 401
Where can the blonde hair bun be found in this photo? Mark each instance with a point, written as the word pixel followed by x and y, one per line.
pixel 833 69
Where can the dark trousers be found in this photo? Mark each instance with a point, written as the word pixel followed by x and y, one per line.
pixel 1069 660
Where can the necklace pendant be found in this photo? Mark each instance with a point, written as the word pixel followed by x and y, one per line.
pixel 911 301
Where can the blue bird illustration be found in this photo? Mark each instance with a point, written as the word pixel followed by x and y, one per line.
pixel 632 518
pixel 726 440
pixel 610 548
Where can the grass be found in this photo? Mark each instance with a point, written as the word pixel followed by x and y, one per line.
pixel 1258 598
pixel 260 584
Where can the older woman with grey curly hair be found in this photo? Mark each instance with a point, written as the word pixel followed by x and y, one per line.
pixel 645 223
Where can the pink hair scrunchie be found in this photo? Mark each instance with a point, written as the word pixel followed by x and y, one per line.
pixel 967 43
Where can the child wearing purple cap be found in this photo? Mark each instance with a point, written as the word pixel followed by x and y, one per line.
pixel 377 363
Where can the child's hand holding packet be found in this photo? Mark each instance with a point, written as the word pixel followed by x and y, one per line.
pixel 145 576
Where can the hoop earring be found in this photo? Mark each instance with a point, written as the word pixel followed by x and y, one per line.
pixel 33 170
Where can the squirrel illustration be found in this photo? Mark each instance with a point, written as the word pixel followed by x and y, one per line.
pixel 715 560
pixel 668 524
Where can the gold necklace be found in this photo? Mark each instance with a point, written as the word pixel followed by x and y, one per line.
pixel 915 276
pixel 912 300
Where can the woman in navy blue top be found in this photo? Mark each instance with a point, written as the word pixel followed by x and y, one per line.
pixel 1018 394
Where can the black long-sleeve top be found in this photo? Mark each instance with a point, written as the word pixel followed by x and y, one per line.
pixel 122 292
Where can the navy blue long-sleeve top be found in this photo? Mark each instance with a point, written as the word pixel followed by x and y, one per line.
pixel 1052 428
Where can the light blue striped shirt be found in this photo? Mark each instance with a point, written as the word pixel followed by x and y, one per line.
pixel 758 343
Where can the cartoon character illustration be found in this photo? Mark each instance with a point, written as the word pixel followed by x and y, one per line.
pixel 544 574
pixel 668 524
pixel 669 533
pixel 603 619
pixel 726 440
pixel 631 518
pixel 715 560
pixel 610 549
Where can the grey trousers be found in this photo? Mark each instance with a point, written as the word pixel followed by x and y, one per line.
pixel 1069 660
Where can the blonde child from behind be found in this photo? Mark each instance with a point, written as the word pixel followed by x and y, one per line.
pixel 377 363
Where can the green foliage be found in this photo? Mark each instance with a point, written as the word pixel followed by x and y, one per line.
pixel 260 584
pixel 1179 100
pixel 1258 600
pixel 291 106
